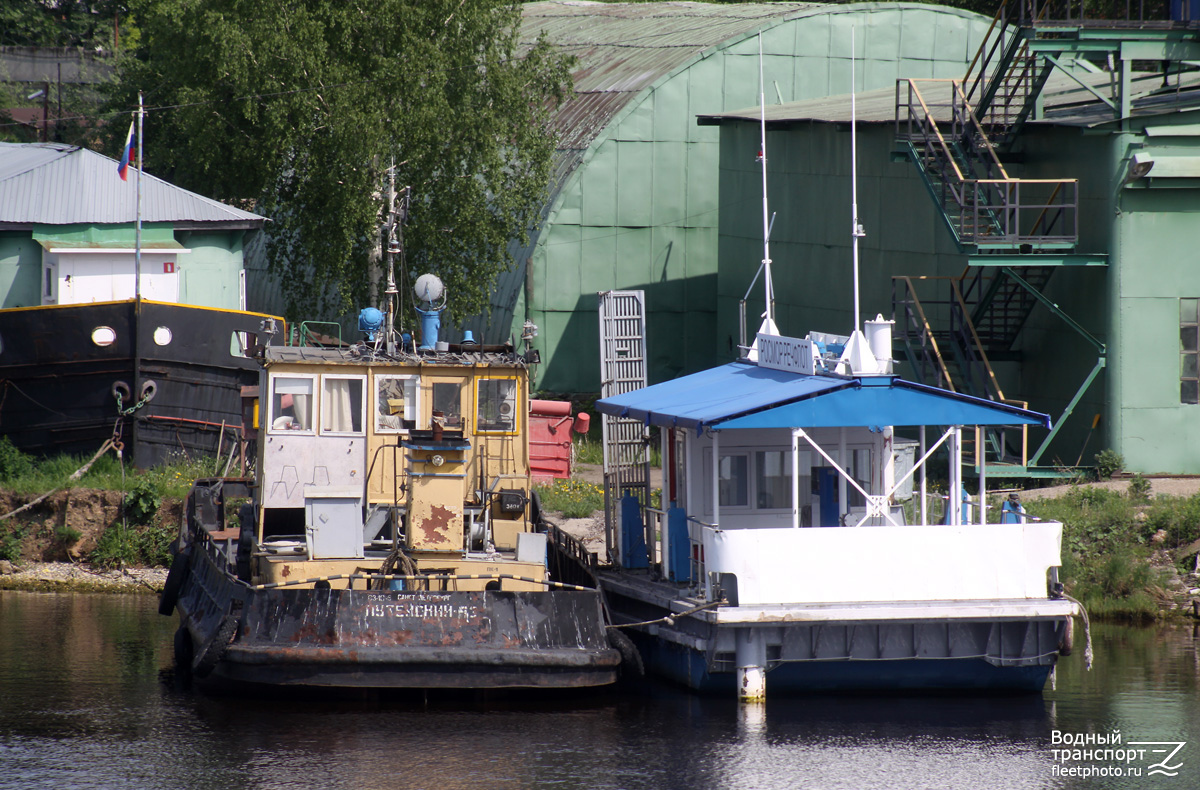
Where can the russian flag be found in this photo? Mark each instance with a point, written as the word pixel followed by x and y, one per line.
pixel 127 154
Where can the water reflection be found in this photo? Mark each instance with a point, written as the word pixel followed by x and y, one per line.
pixel 87 700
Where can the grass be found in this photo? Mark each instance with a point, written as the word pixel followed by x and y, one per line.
pixel 1108 542
pixel 572 498
pixel 21 474
pixel 590 450
pixel 134 540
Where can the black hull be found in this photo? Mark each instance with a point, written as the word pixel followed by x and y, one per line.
pixel 59 385
pixel 238 636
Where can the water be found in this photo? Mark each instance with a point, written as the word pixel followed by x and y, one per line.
pixel 87 700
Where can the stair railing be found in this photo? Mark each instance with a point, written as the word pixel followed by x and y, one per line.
pixel 917 334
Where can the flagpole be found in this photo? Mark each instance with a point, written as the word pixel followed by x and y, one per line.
pixel 137 247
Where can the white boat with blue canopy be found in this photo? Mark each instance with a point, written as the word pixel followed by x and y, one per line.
pixel 813 555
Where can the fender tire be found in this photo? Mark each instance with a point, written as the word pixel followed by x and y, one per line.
pixel 1067 643
pixel 174 583
pixel 631 659
pixel 203 666
pixel 245 544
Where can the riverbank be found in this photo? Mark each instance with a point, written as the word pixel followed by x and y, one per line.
pixel 1121 552
pixel 75 577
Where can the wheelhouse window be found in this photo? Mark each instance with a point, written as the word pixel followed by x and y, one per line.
pixel 396 404
pixel 496 405
pixel 342 404
pixel 291 404
pixel 773 479
pixel 447 398
pixel 733 480
pixel 1189 350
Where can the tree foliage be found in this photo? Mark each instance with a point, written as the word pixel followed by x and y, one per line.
pixel 296 108
pixel 60 23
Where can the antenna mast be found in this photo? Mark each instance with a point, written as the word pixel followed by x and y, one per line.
pixel 137 244
pixel 856 229
pixel 762 155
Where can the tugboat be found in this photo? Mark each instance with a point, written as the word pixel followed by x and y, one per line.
pixel 390 538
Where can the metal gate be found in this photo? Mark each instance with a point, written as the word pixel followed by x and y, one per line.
pixel 623 369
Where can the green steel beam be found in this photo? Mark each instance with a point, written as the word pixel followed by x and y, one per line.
pixel 1026 472
pixel 1100 363
pixel 1064 70
pixel 1041 297
pixel 1038 260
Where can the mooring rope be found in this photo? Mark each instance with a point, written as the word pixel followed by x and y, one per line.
pixel 1087 632
pixel 670 619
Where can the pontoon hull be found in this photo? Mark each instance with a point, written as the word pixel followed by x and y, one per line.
pixel 935 646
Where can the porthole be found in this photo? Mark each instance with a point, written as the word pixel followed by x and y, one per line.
pixel 162 336
pixel 104 336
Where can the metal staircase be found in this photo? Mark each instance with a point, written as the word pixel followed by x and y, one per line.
pixel 955 358
pixel 1006 75
pixel 1015 232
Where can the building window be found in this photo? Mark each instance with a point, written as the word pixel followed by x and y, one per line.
pixel 1189 348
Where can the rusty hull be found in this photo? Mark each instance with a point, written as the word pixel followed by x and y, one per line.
pixel 393 639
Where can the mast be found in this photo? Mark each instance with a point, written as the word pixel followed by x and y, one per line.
pixel 769 286
pixel 137 245
pixel 392 248
pixel 856 229
pixel 135 393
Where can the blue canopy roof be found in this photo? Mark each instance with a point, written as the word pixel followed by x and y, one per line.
pixel 743 395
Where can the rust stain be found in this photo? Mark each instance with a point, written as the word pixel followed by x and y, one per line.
pixel 286 571
pixel 309 633
pixel 436 527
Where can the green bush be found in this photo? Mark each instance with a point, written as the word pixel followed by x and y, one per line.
pixel 1178 517
pixel 13 462
pixel 133 545
pixel 142 501
pixel 1094 519
pixel 67 535
pixel 10 542
pixel 1108 463
pixel 1139 488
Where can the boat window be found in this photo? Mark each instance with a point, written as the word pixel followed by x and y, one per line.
pixel 342 404
pixel 447 398
pixel 241 344
pixel 291 403
pixel 733 478
pixel 773 480
pixel 496 405
pixel 396 403
pixel 761 480
pixel 859 468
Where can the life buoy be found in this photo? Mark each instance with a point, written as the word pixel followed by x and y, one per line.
pixel 1067 643
pixel 203 666
pixel 174 583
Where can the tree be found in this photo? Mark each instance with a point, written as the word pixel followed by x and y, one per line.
pixel 296 108
pixel 59 23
